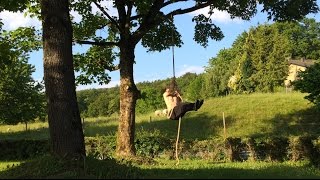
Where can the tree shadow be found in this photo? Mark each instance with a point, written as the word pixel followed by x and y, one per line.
pixel 33 134
pixel 93 129
pixel 302 122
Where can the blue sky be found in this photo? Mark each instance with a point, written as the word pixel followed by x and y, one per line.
pixel 151 66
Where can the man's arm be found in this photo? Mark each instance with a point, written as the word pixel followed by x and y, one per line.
pixel 177 94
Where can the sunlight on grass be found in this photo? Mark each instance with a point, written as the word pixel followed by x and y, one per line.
pixel 8 164
pixel 207 169
pixel 22 127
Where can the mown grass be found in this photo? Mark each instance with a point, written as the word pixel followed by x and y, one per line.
pixel 255 115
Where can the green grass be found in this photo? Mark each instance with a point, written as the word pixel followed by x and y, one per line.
pixel 200 169
pixel 259 115
pixel 262 115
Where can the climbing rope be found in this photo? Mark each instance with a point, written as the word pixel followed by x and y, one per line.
pixel 174 87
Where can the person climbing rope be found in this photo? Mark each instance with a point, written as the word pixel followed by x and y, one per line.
pixel 176 107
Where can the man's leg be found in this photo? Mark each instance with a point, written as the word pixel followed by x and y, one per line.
pixel 180 110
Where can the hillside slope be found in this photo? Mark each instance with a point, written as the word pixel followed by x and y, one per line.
pixel 256 115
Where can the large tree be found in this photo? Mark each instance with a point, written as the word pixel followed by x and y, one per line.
pixel 151 23
pixel 63 113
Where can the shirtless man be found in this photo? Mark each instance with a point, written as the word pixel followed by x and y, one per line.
pixel 177 108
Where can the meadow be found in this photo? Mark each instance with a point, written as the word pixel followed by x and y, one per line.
pixel 253 115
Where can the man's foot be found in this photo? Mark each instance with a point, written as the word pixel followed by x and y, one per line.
pixel 196 104
pixel 199 104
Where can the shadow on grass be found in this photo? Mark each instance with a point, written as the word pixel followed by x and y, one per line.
pixel 303 122
pixel 47 167
pixel 33 134
pixel 93 129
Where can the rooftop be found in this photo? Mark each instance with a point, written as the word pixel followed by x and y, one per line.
pixel 302 62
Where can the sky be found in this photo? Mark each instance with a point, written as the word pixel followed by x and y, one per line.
pixel 150 66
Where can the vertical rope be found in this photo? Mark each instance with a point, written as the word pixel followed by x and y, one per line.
pixel 177 142
pixel 174 77
pixel 172 47
pixel 174 74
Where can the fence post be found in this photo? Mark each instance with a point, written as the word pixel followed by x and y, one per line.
pixel 224 127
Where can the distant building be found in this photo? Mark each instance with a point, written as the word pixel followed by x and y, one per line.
pixel 296 66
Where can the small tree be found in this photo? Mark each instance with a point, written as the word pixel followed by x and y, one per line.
pixel 308 82
pixel 21 99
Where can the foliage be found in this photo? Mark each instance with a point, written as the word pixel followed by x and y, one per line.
pixel 195 90
pixel 13 5
pixel 104 105
pixel 151 144
pixel 151 99
pixel 308 82
pixel 100 147
pixel 92 64
pixel 267 50
pixel 21 99
pixel 218 73
pixel 257 60
pixel 23 149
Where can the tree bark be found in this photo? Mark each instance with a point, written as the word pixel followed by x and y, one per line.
pixel 128 97
pixel 66 134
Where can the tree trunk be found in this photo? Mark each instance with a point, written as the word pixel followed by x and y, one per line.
pixel 65 126
pixel 128 97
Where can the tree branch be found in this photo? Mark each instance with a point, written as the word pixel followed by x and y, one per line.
pixel 113 68
pixel 172 2
pixel 187 10
pixel 163 5
pixel 97 43
pixel 106 13
pixel 120 4
pixel 149 20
